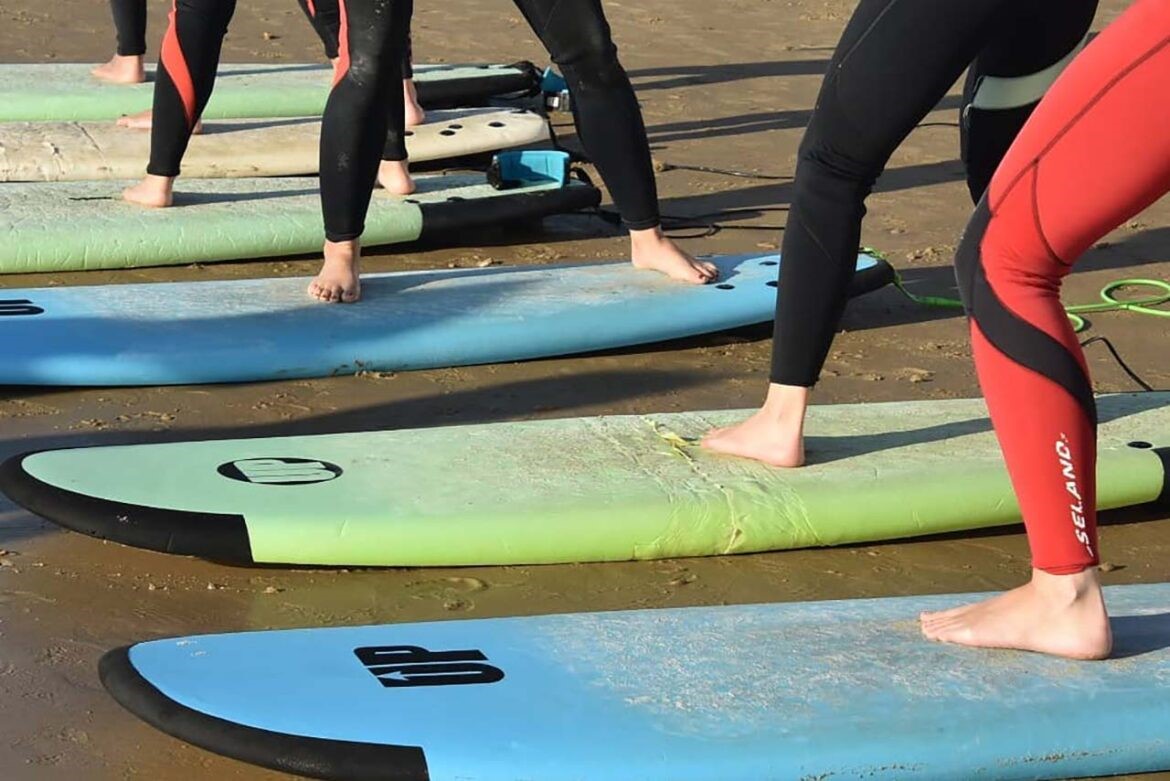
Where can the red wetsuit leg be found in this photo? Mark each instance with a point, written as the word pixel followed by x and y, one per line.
pixel 1095 152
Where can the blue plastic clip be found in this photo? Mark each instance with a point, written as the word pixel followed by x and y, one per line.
pixel 555 90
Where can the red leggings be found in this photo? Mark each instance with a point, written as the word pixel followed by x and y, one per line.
pixel 1095 152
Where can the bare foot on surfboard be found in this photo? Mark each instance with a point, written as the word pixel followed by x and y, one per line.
pixel 651 249
pixel 155 192
pixel 144 119
pixel 339 281
pixel 414 112
pixel 774 435
pixel 394 176
pixel 759 438
pixel 121 70
pixel 1060 615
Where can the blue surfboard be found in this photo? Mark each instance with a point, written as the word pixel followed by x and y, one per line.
pixel 824 690
pixel 260 329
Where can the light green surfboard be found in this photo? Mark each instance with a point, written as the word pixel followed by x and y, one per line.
pixel 67 91
pixel 80 226
pixel 584 489
pixel 72 151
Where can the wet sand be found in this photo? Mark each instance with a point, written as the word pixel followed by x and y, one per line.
pixel 725 85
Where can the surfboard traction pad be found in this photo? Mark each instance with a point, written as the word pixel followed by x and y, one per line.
pixel 84 226
pixel 876 474
pixel 67 91
pixel 843 660
pixel 77 151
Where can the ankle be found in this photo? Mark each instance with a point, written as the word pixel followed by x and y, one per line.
pixel 158 183
pixel 342 250
pixel 1067 589
pixel 648 238
pixel 786 403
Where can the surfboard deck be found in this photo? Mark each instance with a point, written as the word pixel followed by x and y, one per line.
pixel 69 151
pixel 842 690
pixel 579 489
pixel 79 226
pixel 262 329
pixel 67 91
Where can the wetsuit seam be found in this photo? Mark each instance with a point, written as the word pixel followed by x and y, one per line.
pixel 548 18
pixel 1035 166
pixel 864 35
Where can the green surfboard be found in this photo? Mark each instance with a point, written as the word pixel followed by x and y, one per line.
pixel 86 226
pixel 40 92
pixel 583 489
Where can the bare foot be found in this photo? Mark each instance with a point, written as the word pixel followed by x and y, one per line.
pixel 155 192
pixel 143 120
pixel 122 70
pixel 774 435
pixel 414 112
pixel 394 176
pixel 650 249
pixel 339 281
pixel 1061 615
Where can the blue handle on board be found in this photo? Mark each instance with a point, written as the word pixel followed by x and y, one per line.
pixel 552 83
pixel 528 166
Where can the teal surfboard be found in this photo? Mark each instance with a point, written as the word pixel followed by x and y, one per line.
pixel 581 489
pixel 263 329
pixel 819 690
pixel 66 91
pixel 83 226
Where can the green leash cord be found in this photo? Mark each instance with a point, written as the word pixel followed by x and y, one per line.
pixel 1142 306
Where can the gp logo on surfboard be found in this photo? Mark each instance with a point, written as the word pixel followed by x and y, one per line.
pixel 397 666
pixel 17 307
pixel 280 471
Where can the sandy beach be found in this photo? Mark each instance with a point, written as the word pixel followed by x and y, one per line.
pixel 723 85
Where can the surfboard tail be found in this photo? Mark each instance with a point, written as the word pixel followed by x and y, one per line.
pixel 219 537
pixel 444 219
pixel 312 757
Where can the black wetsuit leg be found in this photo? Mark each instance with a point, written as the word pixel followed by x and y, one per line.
pixel 605 110
pixel 325 18
pixel 1014 70
pixel 186 77
pixel 130 24
pixel 408 50
pixel 365 117
pixel 395 146
pixel 324 15
pixel 895 61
